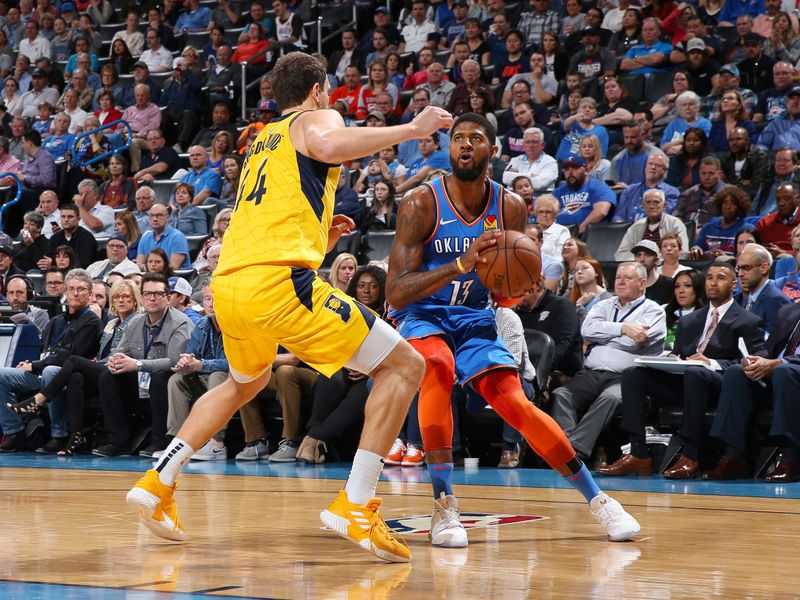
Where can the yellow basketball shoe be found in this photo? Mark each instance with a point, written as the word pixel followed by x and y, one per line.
pixel 363 525
pixel 154 503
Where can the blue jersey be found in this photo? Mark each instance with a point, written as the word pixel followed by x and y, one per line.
pixel 451 237
pixel 459 312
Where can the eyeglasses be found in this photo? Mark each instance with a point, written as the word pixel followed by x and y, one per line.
pixel 122 297
pixel 78 290
pixel 158 215
pixel 154 295
pixel 745 268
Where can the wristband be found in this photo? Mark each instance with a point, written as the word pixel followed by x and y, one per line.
pixel 459 266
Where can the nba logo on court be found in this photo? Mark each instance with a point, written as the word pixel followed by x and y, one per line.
pixel 336 305
pixel 490 223
pixel 422 523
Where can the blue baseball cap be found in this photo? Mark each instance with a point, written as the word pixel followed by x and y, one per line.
pixel 730 68
pixel 574 160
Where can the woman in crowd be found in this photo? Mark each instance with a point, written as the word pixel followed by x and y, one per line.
pixel 589 287
pixel 120 57
pixel 478 47
pixel 572 251
pixel 255 44
pixel 119 191
pixel 687 107
pixel 789 264
pixel 394 67
pixel 515 62
pixel 555 235
pixel 684 167
pixel 591 151
pixel 579 125
pixel 187 218
pixel 193 60
pixel 382 215
pixel 79 376
pixel 708 11
pixel 377 81
pixel 664 110
pixel 573 21
pixel 218 229
pixel 784 43
pixel 481 102
pixel 221 146
pixel 126 224
pixel 732 114
pixel 231 171
pixel 787 270
pixel 339 400
pixel 61 42
pixel 11 95
pixel 64 258
pixel 556 59
pixel 342 270
pixel 106 113
pixel 615 109
pixel 630 35
pixel 110 83
pixel 718 236
pixel 157 262
pixel 671 248
pixel 688 295
pixel 31 246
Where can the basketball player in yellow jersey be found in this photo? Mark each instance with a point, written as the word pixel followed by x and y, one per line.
pixel 266 293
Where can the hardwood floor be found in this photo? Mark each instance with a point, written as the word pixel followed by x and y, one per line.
pixel 261 537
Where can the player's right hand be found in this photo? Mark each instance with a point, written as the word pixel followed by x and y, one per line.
pixel 431 119
pixel 473 254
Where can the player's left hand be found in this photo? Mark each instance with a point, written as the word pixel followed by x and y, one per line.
pixel 472 256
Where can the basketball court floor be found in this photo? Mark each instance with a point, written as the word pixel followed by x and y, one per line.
pixel 67 534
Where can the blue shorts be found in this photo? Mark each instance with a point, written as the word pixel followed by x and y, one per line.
pixel 471 334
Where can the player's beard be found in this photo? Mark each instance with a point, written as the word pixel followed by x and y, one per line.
pixel 473 173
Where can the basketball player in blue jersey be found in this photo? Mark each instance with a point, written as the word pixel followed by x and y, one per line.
pixel 443 310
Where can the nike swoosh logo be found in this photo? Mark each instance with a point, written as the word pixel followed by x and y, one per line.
pixel 443 222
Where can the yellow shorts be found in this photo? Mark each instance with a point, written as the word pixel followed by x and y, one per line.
pixel 259 308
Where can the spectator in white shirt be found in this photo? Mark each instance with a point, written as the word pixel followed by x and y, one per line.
pixel 131 34
pixel 546 209
pixel 34 46
pixel 48 208
pixel 157 58
pixel 540 168
pixel 97 218
pixel 415 35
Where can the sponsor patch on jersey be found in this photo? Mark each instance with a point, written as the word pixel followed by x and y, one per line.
pixel 422 523
pixel 339 306
pixel 490 223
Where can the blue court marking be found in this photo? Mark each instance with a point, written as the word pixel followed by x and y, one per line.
pixel 23 590
pixel 488 476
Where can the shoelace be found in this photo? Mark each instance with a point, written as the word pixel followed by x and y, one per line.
pixel 396 447
pixel 377 524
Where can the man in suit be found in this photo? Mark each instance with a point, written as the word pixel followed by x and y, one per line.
pixel 759 295
pixel 769 377
pixel 709 335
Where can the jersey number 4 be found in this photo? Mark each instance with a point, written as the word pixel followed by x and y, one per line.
pixel 259 190
pixel 460 292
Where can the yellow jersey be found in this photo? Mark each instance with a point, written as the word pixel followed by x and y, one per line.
pixel 284 205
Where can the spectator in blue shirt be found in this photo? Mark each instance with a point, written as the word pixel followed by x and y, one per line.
pixel 431 159
pixel 687 108
pixel 185 217
pixel 731 9
pixel 61 141
pixel 783 132
pixel 629 207
pixel 196 17
pixel 161 235
pixel 579 125
pixel 651 56
pixel 583 199
pixel 206 182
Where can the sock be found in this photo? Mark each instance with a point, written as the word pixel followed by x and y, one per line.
pixel 363 479
pixel 639 450
pixel 440 479
pixel 584 483
pixel 171 462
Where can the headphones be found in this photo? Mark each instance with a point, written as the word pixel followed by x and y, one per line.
pixel 28 285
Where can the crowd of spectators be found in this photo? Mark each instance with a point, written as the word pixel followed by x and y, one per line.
pixel 654 143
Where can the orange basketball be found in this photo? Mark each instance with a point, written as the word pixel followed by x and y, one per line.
pixel 514 265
